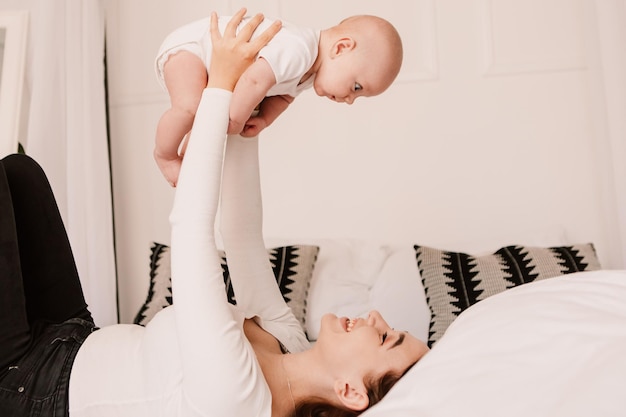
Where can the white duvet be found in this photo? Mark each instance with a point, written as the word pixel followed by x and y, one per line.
pixel 554 348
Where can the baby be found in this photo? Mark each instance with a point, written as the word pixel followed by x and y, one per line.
pixel 360 56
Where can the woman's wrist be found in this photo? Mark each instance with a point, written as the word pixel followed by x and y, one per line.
pixel 222 81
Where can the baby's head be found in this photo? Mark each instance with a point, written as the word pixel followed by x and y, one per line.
pixel 361 56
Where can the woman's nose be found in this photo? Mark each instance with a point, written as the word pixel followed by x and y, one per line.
pixel 373 318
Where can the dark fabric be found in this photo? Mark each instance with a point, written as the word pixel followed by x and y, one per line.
pixel 37 383
pixel 38 277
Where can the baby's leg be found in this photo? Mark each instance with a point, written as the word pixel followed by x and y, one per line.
pixel 185 78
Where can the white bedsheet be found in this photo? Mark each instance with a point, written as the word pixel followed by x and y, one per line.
pixel 552 348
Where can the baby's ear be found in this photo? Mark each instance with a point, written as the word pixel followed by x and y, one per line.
pixel 343 45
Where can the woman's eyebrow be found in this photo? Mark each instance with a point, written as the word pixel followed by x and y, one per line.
pixel 399 341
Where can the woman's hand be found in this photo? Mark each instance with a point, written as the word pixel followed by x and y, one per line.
pixel 233 53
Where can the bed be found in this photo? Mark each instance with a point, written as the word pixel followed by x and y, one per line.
pixel 518 331
pixel 549 348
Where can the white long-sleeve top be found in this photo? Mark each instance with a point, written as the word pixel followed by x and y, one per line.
pixel 193 358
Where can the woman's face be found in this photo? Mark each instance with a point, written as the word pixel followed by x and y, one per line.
pixel 367 346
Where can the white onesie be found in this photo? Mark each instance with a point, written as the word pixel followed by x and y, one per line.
pixel 290 54
pixel 193 359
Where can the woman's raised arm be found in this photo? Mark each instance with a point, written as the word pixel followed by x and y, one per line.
pixel 210 341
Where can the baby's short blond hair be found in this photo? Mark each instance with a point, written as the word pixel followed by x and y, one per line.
pixel 376 34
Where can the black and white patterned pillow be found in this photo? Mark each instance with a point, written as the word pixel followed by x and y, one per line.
pixel 292 266
pixel 453 281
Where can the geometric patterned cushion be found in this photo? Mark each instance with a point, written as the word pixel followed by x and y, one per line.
pixel 292 266
pixel 453 281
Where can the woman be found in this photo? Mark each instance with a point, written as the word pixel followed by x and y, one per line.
pixel 201 356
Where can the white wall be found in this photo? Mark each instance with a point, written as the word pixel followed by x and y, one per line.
pixel 487 138
pixel 30 7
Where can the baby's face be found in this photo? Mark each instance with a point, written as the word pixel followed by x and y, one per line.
pixel 346 77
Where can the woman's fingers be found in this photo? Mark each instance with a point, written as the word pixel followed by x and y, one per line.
pixel 246 32
pixel 249 28
pixel 267 35
pixel 231 27
pixel 215 30
pixel 233 52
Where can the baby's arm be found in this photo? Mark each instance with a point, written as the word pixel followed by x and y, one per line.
pixel 271 107
pixel 249 92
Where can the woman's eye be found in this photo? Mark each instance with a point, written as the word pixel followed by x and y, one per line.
pixel 357 87
pixel 384 338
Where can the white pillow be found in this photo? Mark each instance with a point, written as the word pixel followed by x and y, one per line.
pixel 399 294
pixel 351 277
pixel 344 273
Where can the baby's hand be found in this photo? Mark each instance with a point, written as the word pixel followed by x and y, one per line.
pixel 253 127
